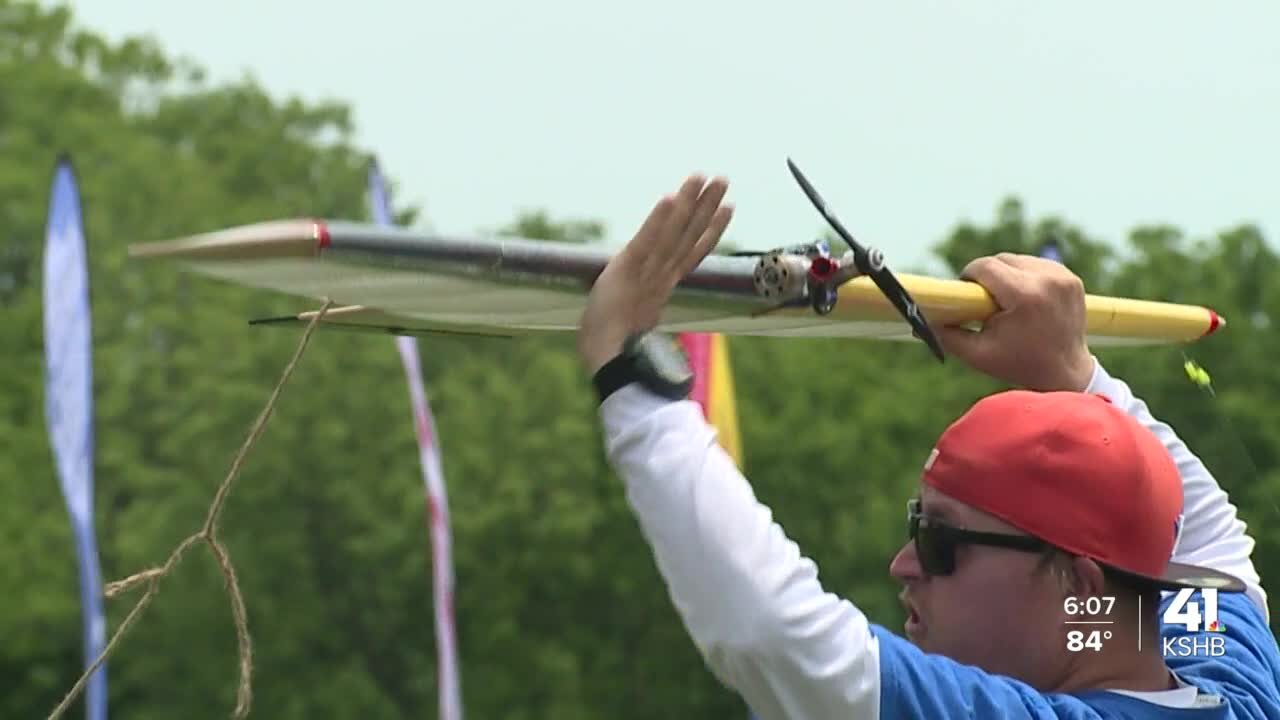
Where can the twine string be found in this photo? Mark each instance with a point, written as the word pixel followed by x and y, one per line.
pixel 207 534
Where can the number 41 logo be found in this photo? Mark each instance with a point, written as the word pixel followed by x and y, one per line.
pixel 1185 611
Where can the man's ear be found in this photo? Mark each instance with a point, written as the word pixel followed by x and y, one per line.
pixel 1087 577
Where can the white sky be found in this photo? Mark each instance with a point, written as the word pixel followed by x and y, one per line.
pixel 909 116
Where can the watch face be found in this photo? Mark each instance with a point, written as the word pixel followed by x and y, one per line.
pixel 666 357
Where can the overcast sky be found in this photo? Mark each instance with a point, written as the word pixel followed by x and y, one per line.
pixel 909 115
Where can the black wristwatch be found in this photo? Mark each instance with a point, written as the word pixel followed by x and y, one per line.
pixel 652 359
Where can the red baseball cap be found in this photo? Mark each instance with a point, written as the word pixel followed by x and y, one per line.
pixel 1077 472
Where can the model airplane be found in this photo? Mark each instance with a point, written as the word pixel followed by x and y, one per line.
pixel 399 281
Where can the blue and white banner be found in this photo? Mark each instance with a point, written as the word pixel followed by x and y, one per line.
pixel 68 388
pixel 450 689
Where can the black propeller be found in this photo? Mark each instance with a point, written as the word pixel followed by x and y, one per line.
pixel 870 261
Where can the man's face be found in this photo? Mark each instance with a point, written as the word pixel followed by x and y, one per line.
pixel 998 610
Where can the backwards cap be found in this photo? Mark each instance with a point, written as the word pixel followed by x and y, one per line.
pixel 1074 470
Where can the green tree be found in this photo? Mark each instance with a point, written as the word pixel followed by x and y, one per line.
pixel 179 377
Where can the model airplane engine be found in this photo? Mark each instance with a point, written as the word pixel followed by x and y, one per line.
pixel 781 275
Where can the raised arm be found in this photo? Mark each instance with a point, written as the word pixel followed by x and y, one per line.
pixel 749 599
pixel 752 604
pixel 1213 535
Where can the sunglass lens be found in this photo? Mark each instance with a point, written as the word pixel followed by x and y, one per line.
pixel 933 547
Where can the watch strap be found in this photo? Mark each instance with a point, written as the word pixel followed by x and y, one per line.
pixel 614 375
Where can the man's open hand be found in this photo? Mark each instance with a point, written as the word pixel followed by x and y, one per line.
pixel 1036 339
pixel 630 293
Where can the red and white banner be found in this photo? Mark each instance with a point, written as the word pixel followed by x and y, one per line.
pixel 449 685
pixel 438 522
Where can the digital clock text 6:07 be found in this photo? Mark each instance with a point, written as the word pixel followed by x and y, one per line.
pixel 1093 605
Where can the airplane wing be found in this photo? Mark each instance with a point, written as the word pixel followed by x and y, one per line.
pixel 388 279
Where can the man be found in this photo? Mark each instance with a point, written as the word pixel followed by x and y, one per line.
pixel 1038 503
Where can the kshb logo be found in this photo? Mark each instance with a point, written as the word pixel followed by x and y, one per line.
pixel 1186 612
pixel 1195 615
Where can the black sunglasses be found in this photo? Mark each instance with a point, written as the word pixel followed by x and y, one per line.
pixel 936 542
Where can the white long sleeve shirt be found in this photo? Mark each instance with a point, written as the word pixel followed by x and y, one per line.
pixel 755 608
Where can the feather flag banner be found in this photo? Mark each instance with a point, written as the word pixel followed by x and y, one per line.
pixel 449 684
pixel 68 388
pixel 713 387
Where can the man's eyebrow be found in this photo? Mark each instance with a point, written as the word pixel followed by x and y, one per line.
pixel 937 510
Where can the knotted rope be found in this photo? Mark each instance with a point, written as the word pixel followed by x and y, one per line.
pixel 208 533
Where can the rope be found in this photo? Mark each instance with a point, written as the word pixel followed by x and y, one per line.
pixel 208 534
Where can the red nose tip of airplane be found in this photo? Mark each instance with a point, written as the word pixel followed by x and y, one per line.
pixel 320 232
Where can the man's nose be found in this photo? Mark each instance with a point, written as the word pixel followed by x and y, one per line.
pixel 905 566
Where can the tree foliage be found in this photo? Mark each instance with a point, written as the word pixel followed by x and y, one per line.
pixel 561 612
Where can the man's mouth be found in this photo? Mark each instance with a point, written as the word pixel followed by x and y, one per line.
pixel 914 625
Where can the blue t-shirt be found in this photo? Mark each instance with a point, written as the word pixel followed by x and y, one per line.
pixel 1246 676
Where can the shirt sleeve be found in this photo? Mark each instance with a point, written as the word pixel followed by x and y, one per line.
pixel 750 601
pixel 1213 535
